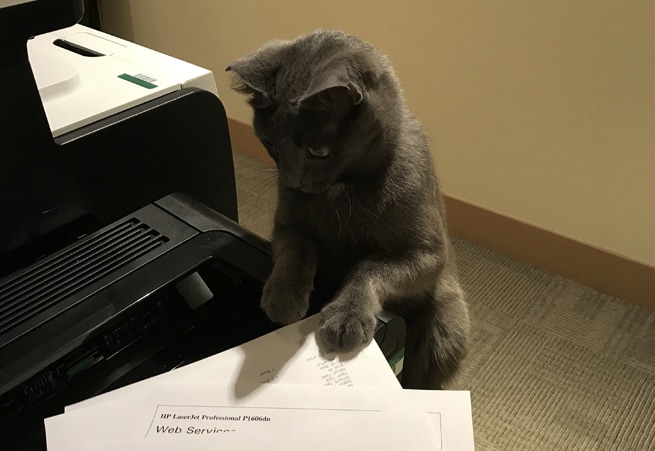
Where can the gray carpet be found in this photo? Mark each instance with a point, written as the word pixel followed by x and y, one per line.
pixel 552 365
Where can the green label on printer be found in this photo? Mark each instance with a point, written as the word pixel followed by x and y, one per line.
pixel 139 79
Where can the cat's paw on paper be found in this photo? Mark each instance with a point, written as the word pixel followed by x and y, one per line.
pixel 284 302
pixel 344 328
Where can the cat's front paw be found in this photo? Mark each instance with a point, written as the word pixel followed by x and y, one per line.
pixel 343 328
pixel 284 302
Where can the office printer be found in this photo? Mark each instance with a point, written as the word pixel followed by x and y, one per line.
pixel 73 159
pixel 105 277
pixel 170 284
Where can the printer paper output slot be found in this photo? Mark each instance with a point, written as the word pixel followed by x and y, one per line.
pixel 76 48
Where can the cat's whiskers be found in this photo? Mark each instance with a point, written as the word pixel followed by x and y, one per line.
pixel 265 187
pixel 339 221
pixel 350 213
pixel 350 207
pixel 331 199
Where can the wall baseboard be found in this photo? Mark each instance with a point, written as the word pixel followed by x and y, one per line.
pixel 598 268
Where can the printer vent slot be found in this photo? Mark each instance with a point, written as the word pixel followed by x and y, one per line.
pixel 46 284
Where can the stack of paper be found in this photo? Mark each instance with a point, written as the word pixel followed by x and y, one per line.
pixel 275 392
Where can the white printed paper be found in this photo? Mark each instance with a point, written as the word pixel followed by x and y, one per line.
pixel 174 412
pixel 275 392
pixel 288 355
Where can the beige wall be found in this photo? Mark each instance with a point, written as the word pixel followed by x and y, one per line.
pixel 543 111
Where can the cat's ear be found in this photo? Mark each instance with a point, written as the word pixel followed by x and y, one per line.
pixel 255 73
pixel 333 88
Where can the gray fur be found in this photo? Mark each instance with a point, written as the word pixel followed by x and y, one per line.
pixel 371 213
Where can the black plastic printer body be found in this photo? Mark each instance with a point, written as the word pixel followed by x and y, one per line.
pixel 170 284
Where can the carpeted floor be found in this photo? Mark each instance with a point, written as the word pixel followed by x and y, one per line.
pixel 552 365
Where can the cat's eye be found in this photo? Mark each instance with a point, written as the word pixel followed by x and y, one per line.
pixel 318 152
pixel 268 144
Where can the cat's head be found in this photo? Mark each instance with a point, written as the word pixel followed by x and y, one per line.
pixel 320 104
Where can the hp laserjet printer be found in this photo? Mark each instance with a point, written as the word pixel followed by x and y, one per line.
pixel 170 284
pixel 108 275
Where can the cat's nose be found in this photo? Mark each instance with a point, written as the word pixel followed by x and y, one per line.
pixel 293 184
pixel 291 181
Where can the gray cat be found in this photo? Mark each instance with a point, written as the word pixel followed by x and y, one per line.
pixel 358 196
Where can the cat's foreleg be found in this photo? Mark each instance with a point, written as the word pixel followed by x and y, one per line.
pixel 437 333
pixel 349 320
pixel 285 297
